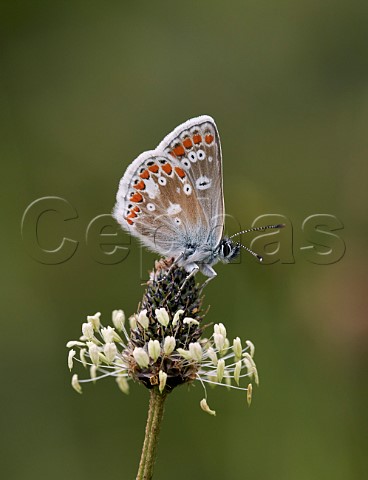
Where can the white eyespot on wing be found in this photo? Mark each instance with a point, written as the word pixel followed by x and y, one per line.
pixel 186 163
pixel 210 159
pixel 192 156
pixel 201 155
pixel 173 209
pixel 187 189
pixel 177 221
pixel 162 181
pixel 151 207
pixel 203 182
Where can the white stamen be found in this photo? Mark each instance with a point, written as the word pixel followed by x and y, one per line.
pixel 107 334
pixel 195 351
pixel 190 321
pixel 184 353
pixel 76 384
pixel 251 346
pixel 143 319
pixel 110 351
pixel 177 316
pixel 133 322
pixel 169 345
pixel 219 340
pixel 162 377
pixel 237 371
pixel 162 316
pixel 249 394
pixel 93 373
pixel 118 319
pixel 227 379
pixel 94 353
pixel 87 330
pixel 95 320
pixel 122 384
pixel 75 343
pixel 82 357
pixel 212 354
pixel 154 349
pixel 204 406
pixel 251 367
pixel 220 328
pixel 141 357
pixel 220 370
pixel 237 348
pixel 70 359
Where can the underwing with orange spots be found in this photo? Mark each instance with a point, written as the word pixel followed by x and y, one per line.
pixel 171 198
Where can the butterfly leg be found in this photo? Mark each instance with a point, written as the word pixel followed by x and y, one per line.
pixel 209 272
pixel 193 269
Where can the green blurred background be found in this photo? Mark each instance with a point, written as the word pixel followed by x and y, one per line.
pixel 87 86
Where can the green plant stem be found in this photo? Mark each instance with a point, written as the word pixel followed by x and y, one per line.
pixel 155 414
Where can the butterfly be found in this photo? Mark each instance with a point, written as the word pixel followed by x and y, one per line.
pixel 171 199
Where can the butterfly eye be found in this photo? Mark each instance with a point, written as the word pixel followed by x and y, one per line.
pixel 151 207
pixel 192 157
pixel 187 189
pixel 162 180
pixel 226 250
pixel 201 155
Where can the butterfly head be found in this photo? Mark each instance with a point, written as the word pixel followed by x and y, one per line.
pixel 228 250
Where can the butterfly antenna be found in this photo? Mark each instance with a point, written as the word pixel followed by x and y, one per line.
pixel 258 229
pixel 258 257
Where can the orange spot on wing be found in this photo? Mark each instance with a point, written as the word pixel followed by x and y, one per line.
pixel 209 138
pixel 187 143
pixel 145 174
pixel 153 168
pixel 172 153
pixel 167 168
pixel 140 185
pixel 180 172
pixel 136 198
pixel 129 221
pixel 197 139
pixel 131 215
pixel 136 209
pixel 179 150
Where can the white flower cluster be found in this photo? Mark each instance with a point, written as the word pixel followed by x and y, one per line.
pixel 109 352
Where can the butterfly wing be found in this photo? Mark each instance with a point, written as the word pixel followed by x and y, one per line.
pixel 196 145
pixel 171 197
